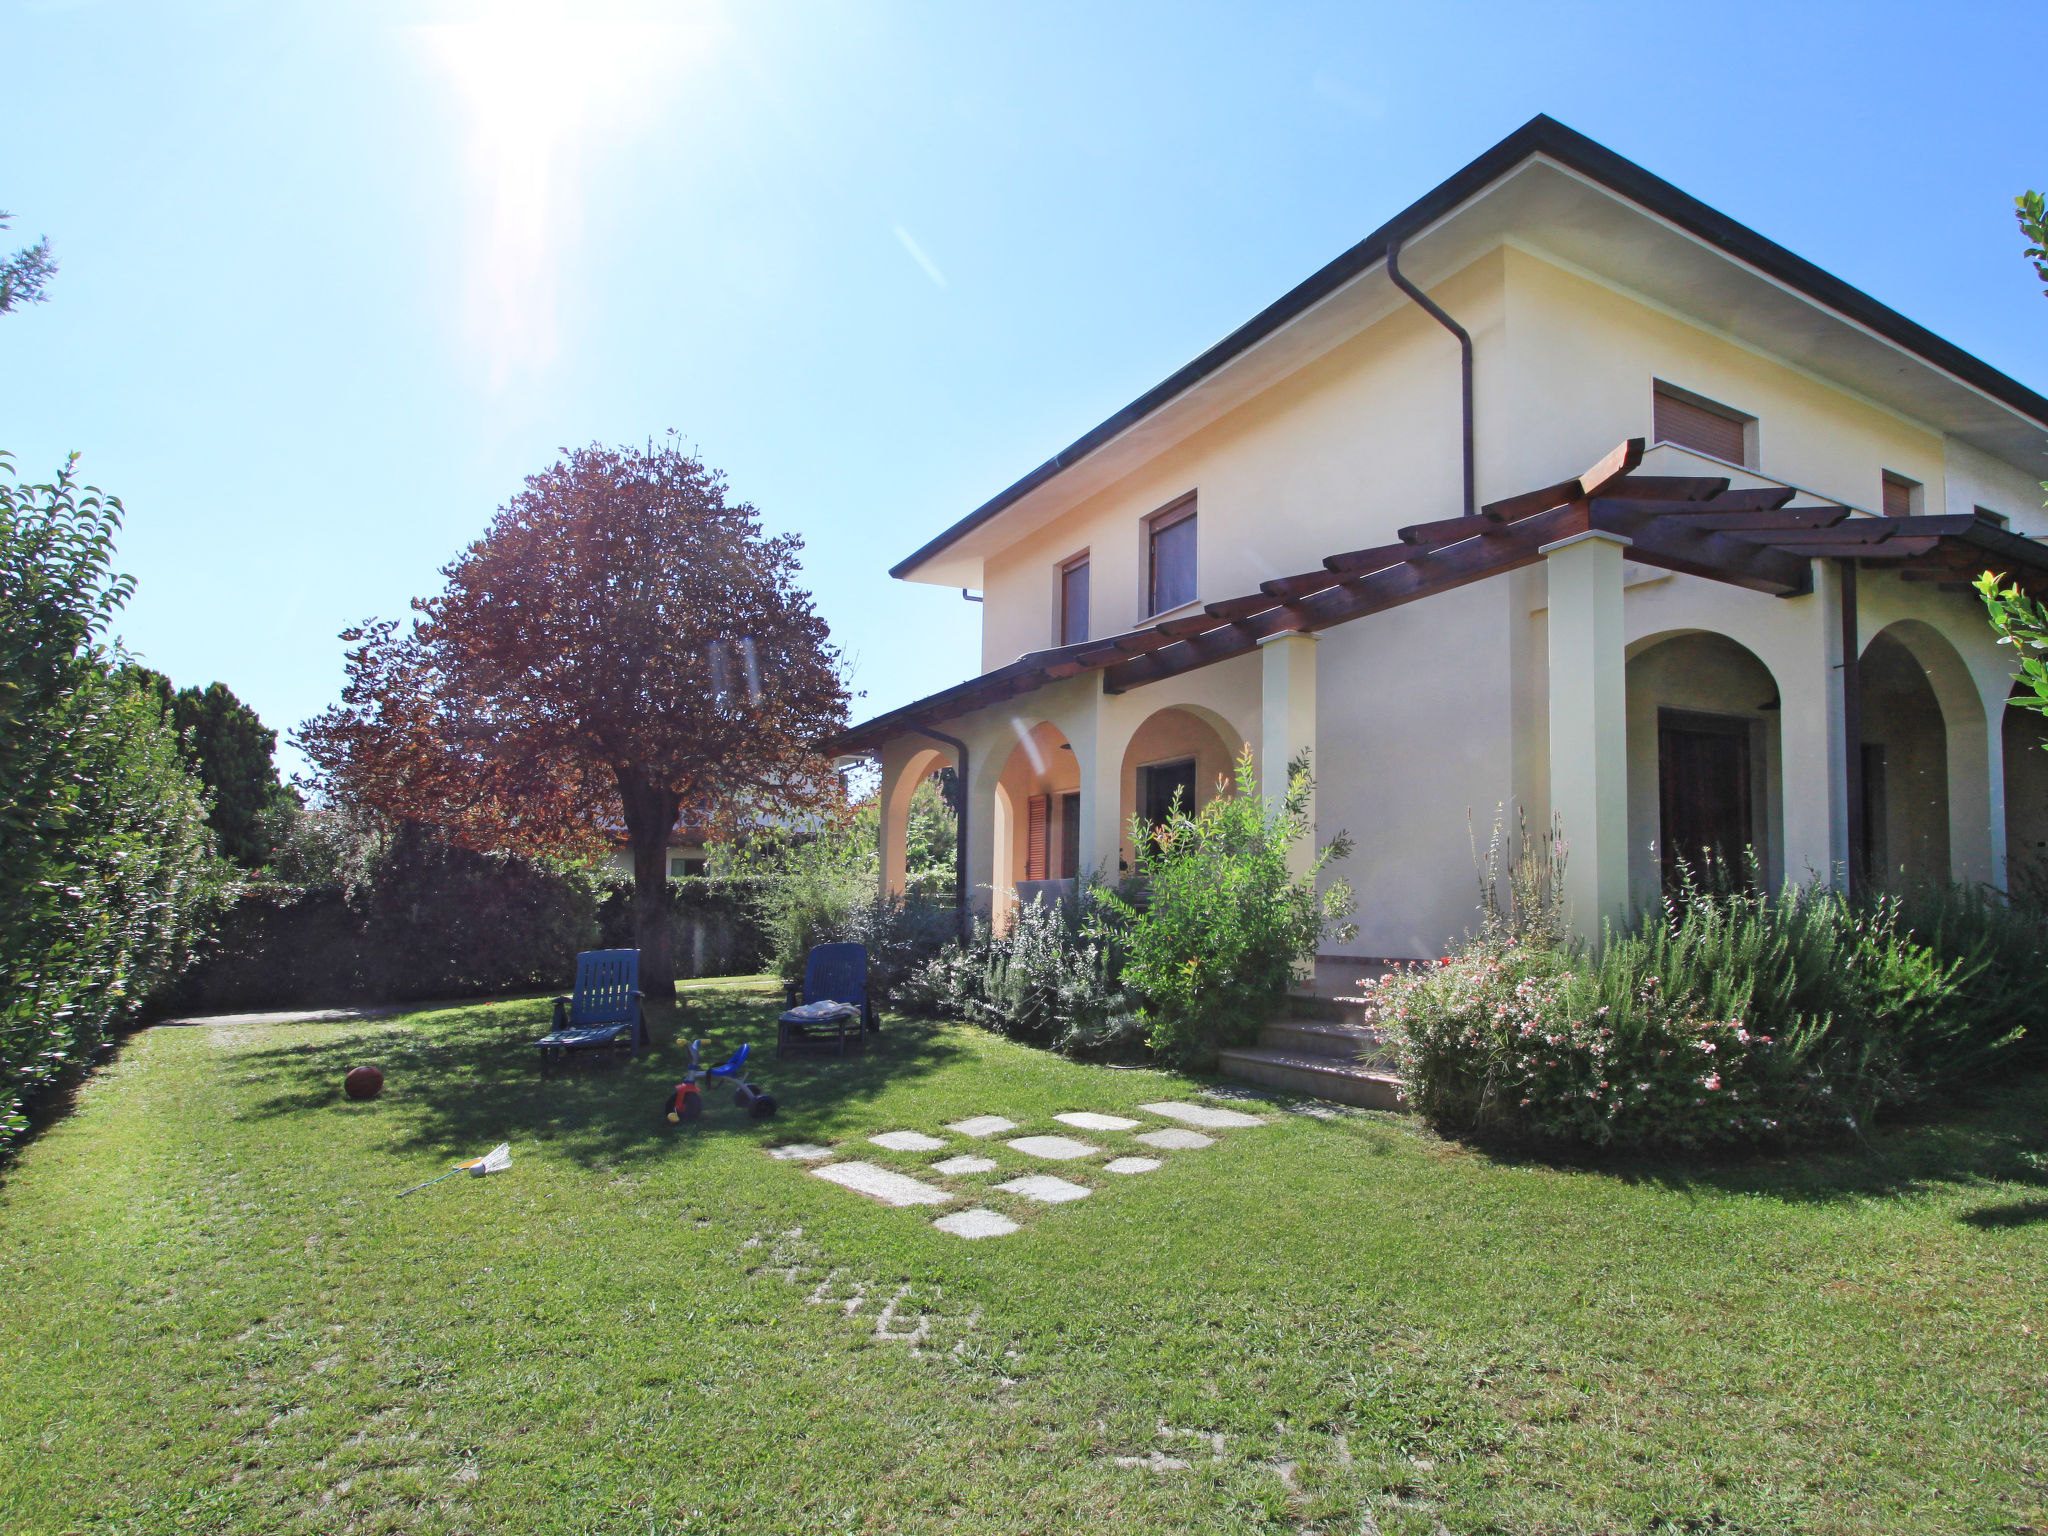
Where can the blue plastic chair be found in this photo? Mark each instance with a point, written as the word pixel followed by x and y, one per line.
pixel 832 1001
pixel 605 1011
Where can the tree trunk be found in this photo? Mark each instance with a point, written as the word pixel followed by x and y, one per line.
pixel 650 817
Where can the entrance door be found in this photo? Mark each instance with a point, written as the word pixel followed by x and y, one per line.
pixel 1705 809
pixel 1161 785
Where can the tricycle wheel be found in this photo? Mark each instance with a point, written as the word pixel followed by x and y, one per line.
pixel 764 1107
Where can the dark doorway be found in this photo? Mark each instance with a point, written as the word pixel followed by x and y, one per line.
pixel 1705 807
pixel 1877 843
pixel 1070 836
pixel 1159 785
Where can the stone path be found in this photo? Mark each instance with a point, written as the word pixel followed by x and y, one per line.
pixel 1088 1120
pixel 907 1141
pixel 900 1189
pixel 1207 1116
pixel 888 1187
pixel 1056 1149
pixel 983 1125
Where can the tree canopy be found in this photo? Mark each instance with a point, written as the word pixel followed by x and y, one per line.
pixel 234 753
pixel 25 274
pixel 623 642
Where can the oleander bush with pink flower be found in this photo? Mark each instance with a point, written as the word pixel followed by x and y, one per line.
pixel 1727 1016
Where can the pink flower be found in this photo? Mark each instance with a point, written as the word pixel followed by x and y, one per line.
pixel 1711 1080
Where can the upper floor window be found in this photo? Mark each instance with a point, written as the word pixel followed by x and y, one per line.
pixel 1074 601
pixel 1996 519
pixel 1901 496
pixel 1170 557
pixel 1703 425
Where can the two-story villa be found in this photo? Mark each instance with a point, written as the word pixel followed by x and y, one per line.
pixel 1561 491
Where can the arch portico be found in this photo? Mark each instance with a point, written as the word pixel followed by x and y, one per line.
pixel 1705 766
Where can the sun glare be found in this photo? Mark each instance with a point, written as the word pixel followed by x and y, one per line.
pixel 544 89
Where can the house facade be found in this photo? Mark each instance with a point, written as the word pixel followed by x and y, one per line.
pixel 1685 565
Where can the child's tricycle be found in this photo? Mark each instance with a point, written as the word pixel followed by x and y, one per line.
pixel 687 1102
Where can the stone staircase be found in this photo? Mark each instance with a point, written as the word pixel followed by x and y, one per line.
pixel 1324 1048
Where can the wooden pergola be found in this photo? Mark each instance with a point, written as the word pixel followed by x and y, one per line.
pixel 1690 523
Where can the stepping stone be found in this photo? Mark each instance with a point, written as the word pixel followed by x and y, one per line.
pixel 1058 1149
pixel 1045 1188
pixel 1175 1139
pixel 907 1141
pixel 1208 1117
pixel 983 1125
pixel 1132 1165
pixel 963 1164
pixel 976 1224
pixel 799 1152
pixel 1088 1120
pixel 885 1186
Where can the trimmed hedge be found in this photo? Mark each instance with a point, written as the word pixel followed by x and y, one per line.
pixel 435 921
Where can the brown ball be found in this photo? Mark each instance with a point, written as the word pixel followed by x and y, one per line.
pixel 363 1083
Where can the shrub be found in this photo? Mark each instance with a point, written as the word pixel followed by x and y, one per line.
pixel 2000 947
pixel 107 868
pixel 1051 980
pixel 1724 1016
pixel 1225 924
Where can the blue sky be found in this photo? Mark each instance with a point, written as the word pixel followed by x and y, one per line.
pixel 334 278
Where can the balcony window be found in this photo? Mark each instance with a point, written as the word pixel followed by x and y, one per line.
pixel 1074 601
pixel 1901 496
pixel 1170 558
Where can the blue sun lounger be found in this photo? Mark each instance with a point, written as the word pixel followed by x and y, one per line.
pixel 604 1014
pixel 832 1003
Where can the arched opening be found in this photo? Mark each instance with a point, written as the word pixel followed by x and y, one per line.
pixel 1704 774
pixel 1037 820
pixel 918 848
pixel 1905 767
pixel 1178 752
pixel 2026 800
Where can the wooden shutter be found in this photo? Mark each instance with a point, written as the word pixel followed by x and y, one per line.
pixel 1070 836
pixel 1698 427
pixel 1898 495
pixel 1034 839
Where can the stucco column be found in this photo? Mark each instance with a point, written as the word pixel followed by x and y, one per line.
pixel 894 822
pixel 1589 724
pixel 1098 760
pixel 1813 742
pixel 1287 724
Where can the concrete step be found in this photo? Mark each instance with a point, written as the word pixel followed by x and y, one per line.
pixel 1310 1037
pixel 1321 1077
pixel 1333 1010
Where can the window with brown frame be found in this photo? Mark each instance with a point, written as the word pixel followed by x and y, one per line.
pixel 1899 495
pixel 1691 421
pixel 1074 601
pixel 1170 558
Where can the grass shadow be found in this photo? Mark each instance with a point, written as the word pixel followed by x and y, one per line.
pixel 1996 1135
pixel 462 1078
pixel 2017 1213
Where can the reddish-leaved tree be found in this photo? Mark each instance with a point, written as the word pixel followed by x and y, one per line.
pixel 620 646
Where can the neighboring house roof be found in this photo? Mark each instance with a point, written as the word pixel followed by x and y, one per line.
pixel 1694 523
pixel 1541 137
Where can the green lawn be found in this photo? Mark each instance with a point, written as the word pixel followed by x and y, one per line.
pixel 218 1318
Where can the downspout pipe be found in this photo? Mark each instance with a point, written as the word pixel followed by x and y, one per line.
pixel 1435 312
pixel 959 833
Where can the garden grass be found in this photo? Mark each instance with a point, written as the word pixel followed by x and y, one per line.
pixel 217 1317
